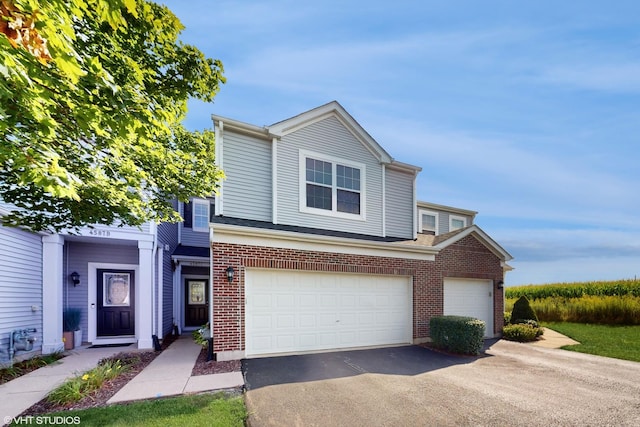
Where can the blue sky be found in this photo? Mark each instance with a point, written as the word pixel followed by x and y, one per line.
pixel 527 112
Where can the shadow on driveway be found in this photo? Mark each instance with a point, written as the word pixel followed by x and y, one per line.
pixel 406 360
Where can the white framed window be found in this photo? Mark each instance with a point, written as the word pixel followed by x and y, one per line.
pixel 200 215
pixel 331 186
pixel 428 222
pixel 457 222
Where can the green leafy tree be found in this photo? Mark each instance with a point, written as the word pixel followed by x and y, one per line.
pixel 92 96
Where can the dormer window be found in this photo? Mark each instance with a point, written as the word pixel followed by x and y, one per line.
pixel 457 222
pixel 331 186
pixel 428 222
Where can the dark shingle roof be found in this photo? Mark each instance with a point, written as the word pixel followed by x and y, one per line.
pixel 191 251
pixel 303 230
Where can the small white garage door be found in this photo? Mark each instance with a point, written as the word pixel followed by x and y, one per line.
pixel 292 312
pixel 470 297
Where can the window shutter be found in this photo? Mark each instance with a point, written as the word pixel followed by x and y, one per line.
pixel 187 215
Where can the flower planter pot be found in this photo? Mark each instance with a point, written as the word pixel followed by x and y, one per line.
pixel 67 337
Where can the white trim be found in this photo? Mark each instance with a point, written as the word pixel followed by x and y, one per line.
pixel 194 203
pixel 291 240
pixel 218 161
pixel 160 285
pixel 448 209
pixel 52 292
pixel 426 212
pixel 92 301
pixel 302 157
pixel 482 237
pixel 459 218
pixel 274 181
pixel 414 211
pixel 384 200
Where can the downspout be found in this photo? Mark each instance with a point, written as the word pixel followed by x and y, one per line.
pixel 210 355
pixel 154 334
pixel 160 259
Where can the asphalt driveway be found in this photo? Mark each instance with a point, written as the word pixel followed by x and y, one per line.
pixel 511 384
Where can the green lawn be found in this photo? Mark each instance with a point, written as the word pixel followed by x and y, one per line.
pixel 194 410
pixel 620 342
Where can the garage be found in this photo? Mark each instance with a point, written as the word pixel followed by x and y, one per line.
pixel 301 311
pixel 470 297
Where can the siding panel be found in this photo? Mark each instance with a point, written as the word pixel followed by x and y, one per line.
pixel 247 187
pixel 77 257
pixel 20 285
pixel 167 235
pixel 399 194
pixel 329 137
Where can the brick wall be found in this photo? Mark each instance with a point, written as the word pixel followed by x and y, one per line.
pixel 467 258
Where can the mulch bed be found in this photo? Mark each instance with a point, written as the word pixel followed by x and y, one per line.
pixel 100 397
pixel 108 389
pixel 202 367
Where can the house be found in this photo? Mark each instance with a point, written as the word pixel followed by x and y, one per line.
pixel 315 242
pixel 327 245
pixel 123 281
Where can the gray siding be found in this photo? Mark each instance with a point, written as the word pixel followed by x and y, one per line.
pixel 247 187
pixel 20 285
pixel 188 237
pixel 167 235
pixel 77 257
pixel 328 137
pixel 400 207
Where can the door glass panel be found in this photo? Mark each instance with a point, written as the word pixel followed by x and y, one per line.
pixel 116 289
pixel 196 292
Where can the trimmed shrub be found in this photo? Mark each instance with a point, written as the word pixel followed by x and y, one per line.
pixel 521 332
pixel 457 334
pixel 507 318
pixel 522 311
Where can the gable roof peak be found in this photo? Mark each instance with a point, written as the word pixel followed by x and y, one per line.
pixel 329 109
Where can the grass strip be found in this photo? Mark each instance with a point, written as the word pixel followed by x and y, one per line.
pixel 192 410
pixel 620 342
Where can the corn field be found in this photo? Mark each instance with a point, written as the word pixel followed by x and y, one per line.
pixel 612 303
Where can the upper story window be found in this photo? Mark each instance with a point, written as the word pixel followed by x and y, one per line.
pixel 330 186
pixel 197 214
pixel 457 222
pixel 428 222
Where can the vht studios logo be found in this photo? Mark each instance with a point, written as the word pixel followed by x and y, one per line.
pixel 42 420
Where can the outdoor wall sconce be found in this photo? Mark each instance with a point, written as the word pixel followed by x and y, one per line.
pixel 230 273
pixel 500 284
pixel 75 278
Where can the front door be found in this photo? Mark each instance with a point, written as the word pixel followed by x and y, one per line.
pixel 116 303
pixel 196 309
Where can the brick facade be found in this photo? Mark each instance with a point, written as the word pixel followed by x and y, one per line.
pixel 467 258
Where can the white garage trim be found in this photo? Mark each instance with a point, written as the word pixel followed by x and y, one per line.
pixel 470 297
pixel 302 311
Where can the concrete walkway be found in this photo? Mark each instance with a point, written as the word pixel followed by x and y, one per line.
pixel 18 395
pixel 167 375
pixel 553 339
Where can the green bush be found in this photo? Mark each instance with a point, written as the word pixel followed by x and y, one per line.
pixel 507 318
pixel 521 332
pixel 457 334
pixel 198 336
pixel 522 311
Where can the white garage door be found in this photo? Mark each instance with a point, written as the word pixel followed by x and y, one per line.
pixel 290 311
pixel 470 297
